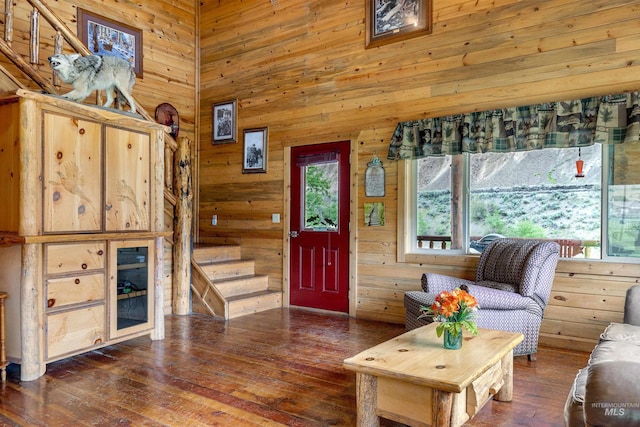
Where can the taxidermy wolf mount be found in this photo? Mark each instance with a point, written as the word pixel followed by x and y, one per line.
pixel 96 72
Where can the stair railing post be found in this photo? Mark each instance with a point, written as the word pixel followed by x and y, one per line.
pixel 35 36
pixel 57 49
pixel 8 21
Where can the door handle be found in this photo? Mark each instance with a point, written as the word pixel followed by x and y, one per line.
pixel 293 234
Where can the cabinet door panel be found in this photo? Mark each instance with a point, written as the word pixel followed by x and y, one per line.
pixel 72 174
pixel 70 331
pixel 127 180
pixel 74 290
pixel 67 258
pixel 132 266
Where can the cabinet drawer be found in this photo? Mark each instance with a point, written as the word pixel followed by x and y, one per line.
pixel 75 330
pixel 74 290
pixel 67 258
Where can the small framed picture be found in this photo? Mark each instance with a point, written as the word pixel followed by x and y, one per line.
pixel 255 151
pixel 390 21
pixel 225 124
pixel 104 36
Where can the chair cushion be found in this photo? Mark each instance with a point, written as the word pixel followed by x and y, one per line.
pixel 490 298
pixel 506 287
pixel 611 394
pixel 608 351
pixel 621 332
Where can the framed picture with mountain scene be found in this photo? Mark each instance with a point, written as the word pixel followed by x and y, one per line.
pixel 389 21
pixel 103 36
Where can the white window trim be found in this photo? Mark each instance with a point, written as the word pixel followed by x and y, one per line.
pixel 406 228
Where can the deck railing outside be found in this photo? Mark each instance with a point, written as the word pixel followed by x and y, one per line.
pixel 569 248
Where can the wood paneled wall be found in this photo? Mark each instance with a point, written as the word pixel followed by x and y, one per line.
pixel 302 70
pixel 169 58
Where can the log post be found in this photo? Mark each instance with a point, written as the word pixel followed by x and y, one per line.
pixel 57 49
pixel 158 226
pixel 8 21
pixel 182 227
pixel 158 279
pixel 442 405
pixel 3 337
pixel 32 364
pixel 367 400
pixel 505 394
pixel 457 202
pixel 35 36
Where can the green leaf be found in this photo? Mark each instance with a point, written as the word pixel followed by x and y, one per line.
pixel 470 326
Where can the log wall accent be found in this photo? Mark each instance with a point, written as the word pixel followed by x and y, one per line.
pixel 169 60
pixel 302 70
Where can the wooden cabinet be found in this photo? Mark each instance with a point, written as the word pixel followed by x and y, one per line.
pixel 84 216
pixel 72 171
pixel 127 180
pixel 73 176
pixel 75 295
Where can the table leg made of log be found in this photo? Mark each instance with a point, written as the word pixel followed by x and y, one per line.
pixel 3 349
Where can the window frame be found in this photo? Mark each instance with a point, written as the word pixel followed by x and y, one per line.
pixel 407 211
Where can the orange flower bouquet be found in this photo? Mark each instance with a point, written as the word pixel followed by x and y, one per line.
pixel 455 309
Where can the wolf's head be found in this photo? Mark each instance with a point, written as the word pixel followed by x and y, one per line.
pixel 63 65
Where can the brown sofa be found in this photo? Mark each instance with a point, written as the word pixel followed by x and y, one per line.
pixel 607 391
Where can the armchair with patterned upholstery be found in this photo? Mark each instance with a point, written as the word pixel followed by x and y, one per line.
pixel 512 287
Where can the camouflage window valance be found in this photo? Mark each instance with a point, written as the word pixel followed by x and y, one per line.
pixel 607 119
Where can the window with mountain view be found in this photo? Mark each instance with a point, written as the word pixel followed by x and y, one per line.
pixel 532 194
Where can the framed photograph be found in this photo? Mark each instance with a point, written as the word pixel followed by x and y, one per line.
pixel 225 124
pixel 103 36
pixel 254 159
pixel 389 21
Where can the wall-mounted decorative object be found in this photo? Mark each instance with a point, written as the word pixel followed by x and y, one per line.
pixel 254 159
pixel 374 178
pixel 392 21
pixel 103 36
pixel 225 123
pixel 167 115
pixel 374 214
pixel 579 165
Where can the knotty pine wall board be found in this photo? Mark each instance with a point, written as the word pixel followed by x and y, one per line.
pixel 169 61
pixel 302 70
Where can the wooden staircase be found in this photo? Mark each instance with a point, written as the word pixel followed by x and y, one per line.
pixel 226 286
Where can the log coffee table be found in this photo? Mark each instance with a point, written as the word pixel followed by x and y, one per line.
pixel 413 379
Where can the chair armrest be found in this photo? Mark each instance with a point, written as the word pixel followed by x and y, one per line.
pixel 632 306
pixel 435 283
pixel 496 299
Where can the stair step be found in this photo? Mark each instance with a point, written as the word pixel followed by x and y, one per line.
pixel 255 302
pixel 242 285
pixel 208 254
pixel 228 269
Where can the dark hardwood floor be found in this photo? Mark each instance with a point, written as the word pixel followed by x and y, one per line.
pixel 277 368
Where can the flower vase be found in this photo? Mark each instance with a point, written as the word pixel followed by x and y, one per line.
pixel 452 342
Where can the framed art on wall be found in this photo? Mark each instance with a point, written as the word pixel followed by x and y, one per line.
pixel 225 123
pixel 254 159
pixel 390 21
pixel 103 36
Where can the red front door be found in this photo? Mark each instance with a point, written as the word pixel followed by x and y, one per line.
pixel 319 236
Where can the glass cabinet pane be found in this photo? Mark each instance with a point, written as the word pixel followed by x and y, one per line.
pixel 132 287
